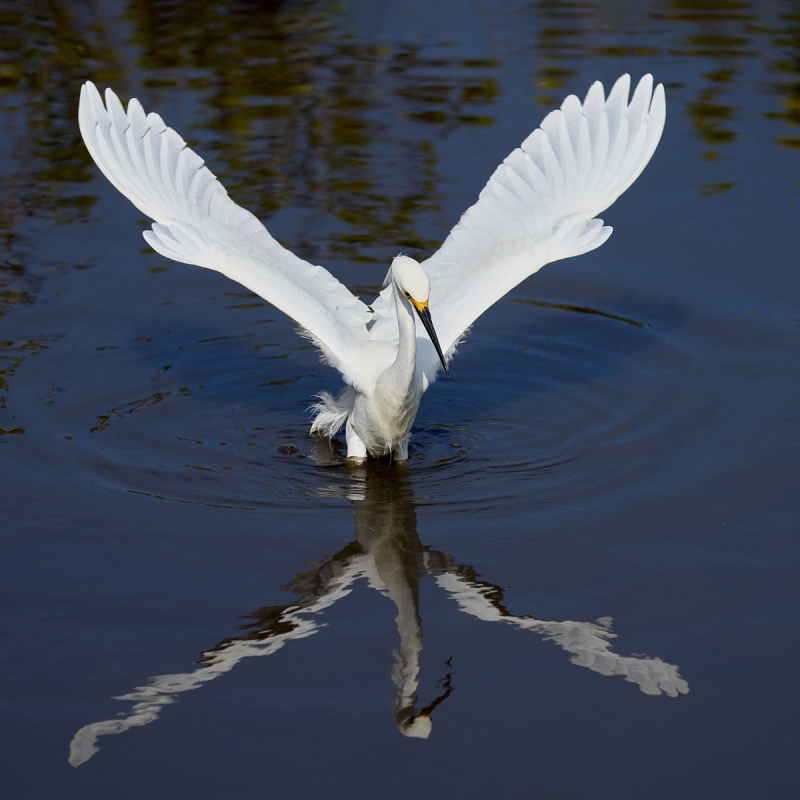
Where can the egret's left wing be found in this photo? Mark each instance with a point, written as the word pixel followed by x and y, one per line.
pixel 540 204
pixel 588 642
pixel 196 222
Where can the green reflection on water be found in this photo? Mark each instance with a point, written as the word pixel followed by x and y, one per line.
pixel 298 110
pixel 12 355
pixel 579 310
pixel 299 113
pixel 717 35
pixel 121 411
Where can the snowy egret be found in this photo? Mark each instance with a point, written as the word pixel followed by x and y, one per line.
pixel 540 205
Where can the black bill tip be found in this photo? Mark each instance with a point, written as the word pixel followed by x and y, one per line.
pixel 425 316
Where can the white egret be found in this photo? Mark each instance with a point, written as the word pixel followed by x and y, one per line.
pixel 540 205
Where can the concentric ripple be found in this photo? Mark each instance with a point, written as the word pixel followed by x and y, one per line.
pixel 553 408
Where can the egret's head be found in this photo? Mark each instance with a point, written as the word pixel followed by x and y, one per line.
pixel 418 727
pixel 412 281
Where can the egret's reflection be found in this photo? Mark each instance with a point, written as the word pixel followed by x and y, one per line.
pixel 387 553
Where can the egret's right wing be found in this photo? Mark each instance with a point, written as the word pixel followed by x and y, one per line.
pixel 296 620
pixel 197 223
pixel 540 204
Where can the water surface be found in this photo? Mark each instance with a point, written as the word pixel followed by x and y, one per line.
pixel 596 535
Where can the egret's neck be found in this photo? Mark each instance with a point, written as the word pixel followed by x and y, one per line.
pixel 406 360
pixel 399 377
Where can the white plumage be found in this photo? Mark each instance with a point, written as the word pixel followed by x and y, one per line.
pixel 540 205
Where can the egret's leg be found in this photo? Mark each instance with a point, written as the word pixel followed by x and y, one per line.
pixel 401 451
pixel 355 447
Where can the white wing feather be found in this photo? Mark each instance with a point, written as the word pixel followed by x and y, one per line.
pixel 197 223
pixel 539 205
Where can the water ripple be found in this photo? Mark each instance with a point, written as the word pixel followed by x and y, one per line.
pixel 575 432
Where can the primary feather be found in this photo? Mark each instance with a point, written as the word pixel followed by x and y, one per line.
pixel 540 205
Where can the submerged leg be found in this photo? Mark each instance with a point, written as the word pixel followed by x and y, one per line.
pixel 400 452
pixel 355 447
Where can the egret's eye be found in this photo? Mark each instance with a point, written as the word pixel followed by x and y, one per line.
pixel 407 295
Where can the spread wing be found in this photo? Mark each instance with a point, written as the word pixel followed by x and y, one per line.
pixel 541 202
pixel 197 223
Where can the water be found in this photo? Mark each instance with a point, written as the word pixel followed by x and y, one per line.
pixel 189 581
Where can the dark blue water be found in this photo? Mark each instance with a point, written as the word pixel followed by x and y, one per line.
pixel 596 536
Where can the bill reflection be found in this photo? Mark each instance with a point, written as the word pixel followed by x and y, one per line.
pixel 388 554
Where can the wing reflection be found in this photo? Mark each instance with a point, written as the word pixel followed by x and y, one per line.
pixel 388 554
